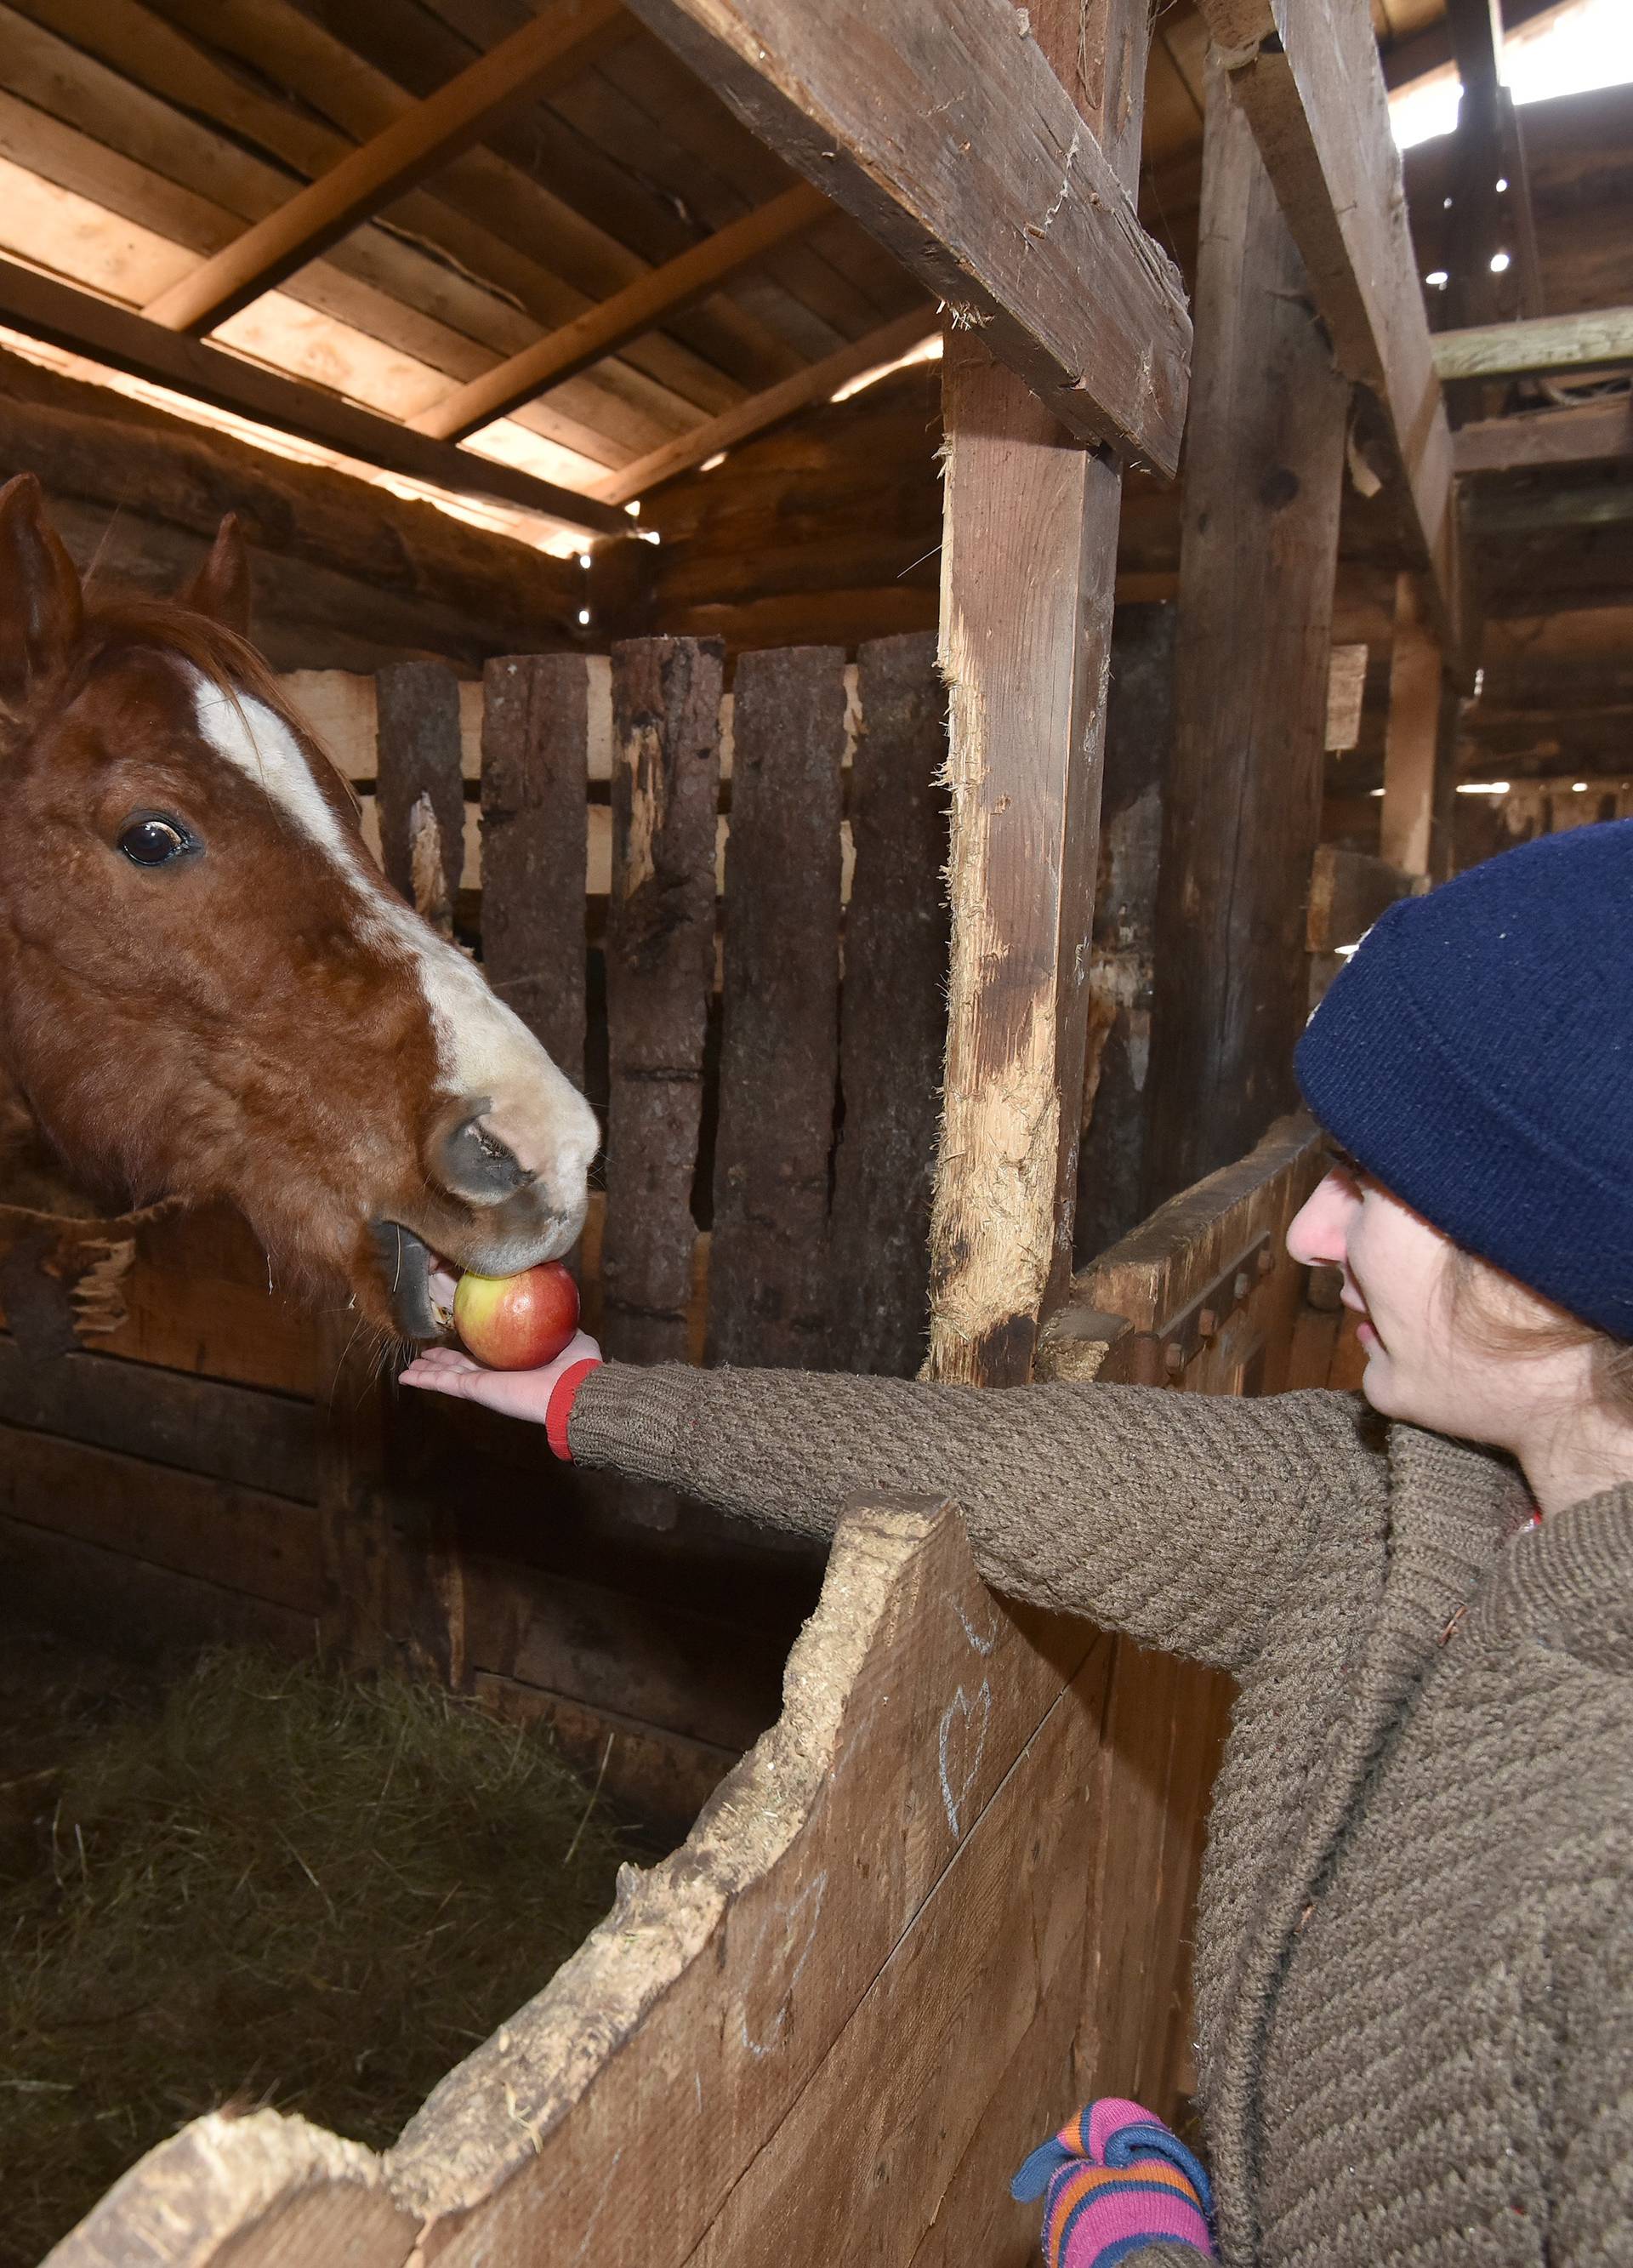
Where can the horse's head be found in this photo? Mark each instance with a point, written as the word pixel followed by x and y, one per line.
pixel 207 989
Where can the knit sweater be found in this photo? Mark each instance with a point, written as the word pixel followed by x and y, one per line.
pixel 1414 1965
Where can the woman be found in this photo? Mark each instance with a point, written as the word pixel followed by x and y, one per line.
pixel 1414 1949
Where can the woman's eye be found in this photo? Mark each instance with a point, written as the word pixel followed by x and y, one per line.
pixel 154 841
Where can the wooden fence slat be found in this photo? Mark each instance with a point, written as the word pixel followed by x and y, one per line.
pixel 660 966
pixel 779 1010
pixel 231 1433
pixel 534 845
pixel 420 785
pixel 892 1014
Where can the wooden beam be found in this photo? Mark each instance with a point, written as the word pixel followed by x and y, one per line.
pixel 651 300
pixel 547 48
pixel 1531 511
pixel 42 308
pixel 1308 76
pixel 1599 340
pixel 1412 737
pixel 1258 560
pixel 1540 439
pixel 1028 566
pixel 941 126
pixel 813 384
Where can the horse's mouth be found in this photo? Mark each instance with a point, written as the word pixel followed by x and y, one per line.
pixel 411 1272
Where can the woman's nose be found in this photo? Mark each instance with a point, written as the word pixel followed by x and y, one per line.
pixel 1317 1235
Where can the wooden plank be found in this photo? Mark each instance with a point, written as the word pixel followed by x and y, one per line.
pixel 892 1015
pixel 1346 691
pixel 239 1434
pixel 546 49
pixel 419 786
pixel 641 307
pixel 1348 892
pixel 208 2196
pixel 199 1297
pixel 779 1011
pixel 1539 439
pixel 663 1778
pixel 954 143
pixel 1264 470
pixel 710 2000
pixel 238 1539
pixel 1027 566
pixel 43 308
pixel 1308 77
pixel 660 968
pixel 1601 339
pixel 1412 737
pixel 1139 723
pixel 535 739
pixel 820 379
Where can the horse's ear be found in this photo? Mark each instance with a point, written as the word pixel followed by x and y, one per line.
pixel 220 588
pixel 42 608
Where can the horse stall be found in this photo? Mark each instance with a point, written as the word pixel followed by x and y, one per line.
pixel 935 988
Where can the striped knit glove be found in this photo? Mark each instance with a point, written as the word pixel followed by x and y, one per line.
pixel 1117 2179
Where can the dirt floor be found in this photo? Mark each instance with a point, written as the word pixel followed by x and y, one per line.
pixel 234 1880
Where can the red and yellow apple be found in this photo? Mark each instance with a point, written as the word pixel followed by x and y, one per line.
pixel 516 1322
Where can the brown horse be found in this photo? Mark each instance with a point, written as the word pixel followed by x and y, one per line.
pixel 207 989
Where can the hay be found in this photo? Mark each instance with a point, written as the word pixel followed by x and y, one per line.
pixel 274 1885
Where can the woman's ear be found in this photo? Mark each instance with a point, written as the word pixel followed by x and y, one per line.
pixel 220 588
pixel 42 608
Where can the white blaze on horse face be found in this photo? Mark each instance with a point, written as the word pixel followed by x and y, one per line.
pixel 483 1048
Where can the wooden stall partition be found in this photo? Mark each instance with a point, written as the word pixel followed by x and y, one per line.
pixel 1201 1298
pixel 886 1893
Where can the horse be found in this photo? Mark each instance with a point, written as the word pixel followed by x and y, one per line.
pixel 207 990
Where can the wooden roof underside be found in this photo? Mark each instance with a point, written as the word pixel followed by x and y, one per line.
pixel 152 151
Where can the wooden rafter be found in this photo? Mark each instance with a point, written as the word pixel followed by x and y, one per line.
pixel 1599 340
pixel 43 308
pixel 940 125
pixel 813 384
pixel 547 47
pixel 1308 75
pixel 1594 433
pixel 1486 149
pixel 641 307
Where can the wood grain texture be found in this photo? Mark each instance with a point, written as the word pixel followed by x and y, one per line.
pixel 1241 820
pixel 535 735
pixel 1348 892
pixel 1596 341
pixel 892 1015
pixel 1412 737
pixel 419 786
pixel 952 141
pixel 1307 74
pixel 1028 567
pixel 779 1011
pixel 661 971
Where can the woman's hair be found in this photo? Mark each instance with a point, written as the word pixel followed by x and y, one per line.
pixel 1471 1303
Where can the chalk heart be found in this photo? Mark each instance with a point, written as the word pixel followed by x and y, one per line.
pixel 963 1739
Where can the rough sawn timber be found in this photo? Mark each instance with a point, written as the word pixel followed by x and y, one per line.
pixel 1028 573
pixel 928 1802
pixel 940 125
pixel 1308 75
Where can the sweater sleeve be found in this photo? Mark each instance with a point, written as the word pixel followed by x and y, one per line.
pixel 1182 1519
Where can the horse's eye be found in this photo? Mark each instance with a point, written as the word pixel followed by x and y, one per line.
pixel 154 841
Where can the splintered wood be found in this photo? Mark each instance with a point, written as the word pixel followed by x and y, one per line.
pixel 889 1887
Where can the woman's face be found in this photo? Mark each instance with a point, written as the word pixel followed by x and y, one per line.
pixel 1423 1363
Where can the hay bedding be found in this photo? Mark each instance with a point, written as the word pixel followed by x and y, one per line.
pixel 255 1882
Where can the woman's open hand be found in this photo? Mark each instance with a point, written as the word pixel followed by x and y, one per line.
pixel 512 1393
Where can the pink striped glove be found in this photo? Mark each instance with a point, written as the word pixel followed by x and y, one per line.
pixel 1116 2179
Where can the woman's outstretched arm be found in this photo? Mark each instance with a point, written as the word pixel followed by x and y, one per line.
pixel 1183 1519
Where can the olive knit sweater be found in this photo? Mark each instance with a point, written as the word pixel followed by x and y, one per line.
pixel 1415 1951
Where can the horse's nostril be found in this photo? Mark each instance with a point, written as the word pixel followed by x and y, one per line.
pixel 475 1163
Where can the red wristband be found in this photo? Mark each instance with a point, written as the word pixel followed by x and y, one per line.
pixel 560 1406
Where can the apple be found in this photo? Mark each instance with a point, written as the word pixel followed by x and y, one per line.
pixel 516 1322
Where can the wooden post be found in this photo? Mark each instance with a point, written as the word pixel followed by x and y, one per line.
pixel 1412 736
pixel 1264 462
pixel 419 787
pixel 1028 569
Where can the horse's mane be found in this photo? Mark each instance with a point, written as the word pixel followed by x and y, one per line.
pixel 114 620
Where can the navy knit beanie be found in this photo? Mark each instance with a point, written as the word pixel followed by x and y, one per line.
pixel 1476 1055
